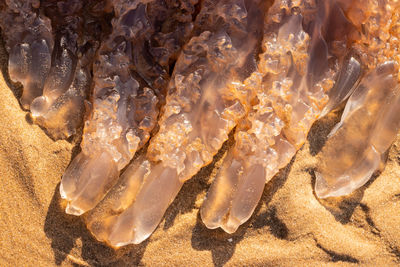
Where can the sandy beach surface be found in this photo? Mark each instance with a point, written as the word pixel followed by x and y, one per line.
pixel 290 226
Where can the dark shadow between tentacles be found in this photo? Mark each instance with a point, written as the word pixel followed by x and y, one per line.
pixel 221 244
pixel 320 130
pixel 268 218
pixel 203 238
pixel 186 198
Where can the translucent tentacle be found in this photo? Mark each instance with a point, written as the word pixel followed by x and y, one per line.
pixel 367 128
pixel 293 93
pixel 29 42
pixel 53 62
pixel 370 120
pixel 206 98
pixel 129 86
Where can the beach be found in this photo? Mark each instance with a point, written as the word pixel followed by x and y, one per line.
pixel 290 227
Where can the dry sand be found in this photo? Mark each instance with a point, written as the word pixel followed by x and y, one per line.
pixel 289 228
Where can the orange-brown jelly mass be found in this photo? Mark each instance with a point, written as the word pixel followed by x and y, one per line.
pixel 181 75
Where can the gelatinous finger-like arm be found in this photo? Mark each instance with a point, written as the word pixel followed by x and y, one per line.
pixel 29 42
pixel 370 121
pixel 130 75
pixel 53 63
pixel 206 98
pixel 368 127
pixel 296 81
pixel 77 31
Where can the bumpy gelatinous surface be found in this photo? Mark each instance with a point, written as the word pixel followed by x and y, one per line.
pixel 77 29
pixel 53 62
pixel 130 74
pixel 206 97
pixel 268 68
pixel 30 43
pixel 296 80
pixel 370 121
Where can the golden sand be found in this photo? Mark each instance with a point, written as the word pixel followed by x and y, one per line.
pixel 290 227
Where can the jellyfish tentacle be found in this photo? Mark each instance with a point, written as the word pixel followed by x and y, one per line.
pixel 206 98
pixel 51 55
pixel 29 43
pixel 369 124
pixel 368 127
pixel 290 99
pixel 130 80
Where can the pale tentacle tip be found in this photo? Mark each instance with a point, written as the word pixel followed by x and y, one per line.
pixel 70 209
